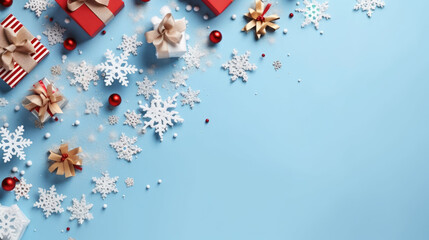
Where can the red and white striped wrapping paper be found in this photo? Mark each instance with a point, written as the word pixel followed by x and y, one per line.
pixel 14 76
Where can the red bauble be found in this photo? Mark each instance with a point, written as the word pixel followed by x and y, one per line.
pixel 215 36
pixel 115 100
pixel 9 183
pixel 207 120
pixel 70 44
pixel 145 0
pixel 6 3
pixel 290 15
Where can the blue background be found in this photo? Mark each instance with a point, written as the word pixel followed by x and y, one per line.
pixel 341 155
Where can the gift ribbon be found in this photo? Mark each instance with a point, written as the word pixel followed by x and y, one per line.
pixel 259 20
pixel 168 31
pixel 98 7
pixel 66 162
pixel 16 47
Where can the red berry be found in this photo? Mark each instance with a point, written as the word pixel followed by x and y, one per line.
pixel 263 54
pixel 70 44
pixel 51 19
pixel 290 15
pixel 103 32
pixel 6 3
pixel 145 0
pixel 215 36
pixel 68 229
pixel 207 120
pixel 115 100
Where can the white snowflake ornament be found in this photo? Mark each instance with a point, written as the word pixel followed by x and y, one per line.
pixel 145 88
pixel 93 106
pixel 190 97
pixel 116 68
pixel 125 147
pixel 13 144
pixel 129 182
pixel 369 6
pixel 314 12
pixel 193 57
pixel 22 188
pixel 50 201
pixel 105 185
pixel 84 74
pixel 132 119
pixel 179 79
pixel 238 66
pixel 80 210
pixel 55 34
pixel 130 44
pixel 113 119
pixel 38 6
pixel 13 222
pixel 277 65
pixel 3 102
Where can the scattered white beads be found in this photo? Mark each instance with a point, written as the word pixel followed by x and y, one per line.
pixel 47 135
pixel 188 8
pixel 175 135
pixel 104 206
pixel 76 123
pixel 233 17
pixel 177 9
pixel 321 32
pixel 17 107
pixel 299 80
pixel 141 70
pixel 15 169
pixel 22 172
pixel 206 17
pixel 63 58
pixel 159 181
pixel 29 163
pixel 148 187
pixel 67 20
pixel 285 31
pixel 196 8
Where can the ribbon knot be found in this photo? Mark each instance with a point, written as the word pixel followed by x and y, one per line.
pixel 16 47
pixel 66 162
pixel 258 19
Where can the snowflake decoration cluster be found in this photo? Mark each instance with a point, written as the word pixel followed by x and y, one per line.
pixel 126 147
pixel 84 74
pixel 38 6
pixel 80 210
pixel 13 222
pixel 314 12
pixel 116 68
pixel 13 144
pixel 239 65
pixel 50 201
pixel 105 185
pixel 54 33
pixel 369 6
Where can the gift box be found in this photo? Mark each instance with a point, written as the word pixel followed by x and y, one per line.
pixel 217 6
pixel 45 101
pixel 91 15
pixel 26 53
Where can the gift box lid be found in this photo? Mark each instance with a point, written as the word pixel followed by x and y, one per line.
pixel 217 6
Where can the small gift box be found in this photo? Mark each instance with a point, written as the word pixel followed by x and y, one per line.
pixel 91 15
pixel 217 6
pixel 45 101
pixel 20 51
pixel 168 35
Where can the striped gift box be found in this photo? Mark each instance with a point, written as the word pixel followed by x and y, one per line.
pixel 14 76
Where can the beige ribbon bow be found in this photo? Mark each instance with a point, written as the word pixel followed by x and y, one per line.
pixel 16 47
pixel 66 162
pixel 168 31
pixel 98 7
pixel 259 20
pixel 45 99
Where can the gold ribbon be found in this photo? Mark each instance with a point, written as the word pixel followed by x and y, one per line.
pixel 45 99
pixel 258 19
pixel 16 47
pixel 168 31
pixel 98 7
pixel 66 161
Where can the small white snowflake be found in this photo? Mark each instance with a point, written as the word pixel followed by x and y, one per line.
pixel 277 65
pixel 22 188
pixel 179 79
pixel 193 57
pixel 145 88
pixel 190 97
pixel 80 210
pixel 132 119
pixel 56 70
pixel 54 34
pixel 125 147
pixel 116 68
pixel 38 6
pixel 83 73
pixel 13 144
pixel 129 182
pixel 314 12
pixel 93 106
pixel 13 222
pixel 369 6
pixel 105 185
pixel 238 66
pixel 50 201
pixel 3 102
pixel 130 44
pixel 113 120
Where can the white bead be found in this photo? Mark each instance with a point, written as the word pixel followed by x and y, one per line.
pixel 39 37
pixel 67 20
pixel 104 206
pixel 188 8
pixel 29 163
pixel 159 181
pixel 140 70
pixel 17 108
pixel 285 31
pixel 6 125
pixel 196 8
pixel 76 123
pixel 15 169
pixel 175 135
pixel 233 17
pixel 147 186
pixel 47 135
pixel 321 32
pixel 177 9
pixel 206 17
pixel 22 172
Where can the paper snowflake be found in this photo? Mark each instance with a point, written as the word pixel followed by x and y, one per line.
pixel 83 73
pixel 22 188
pixel 277 65
pixel 105 185
pixel 93 106
pixel 3 102
pixel 238 66
pixel 116 68
pixel 132 119
pixel 314 12
pixel 130 44
pixel 50 201
pixel 193 57
pixel 179 79
pixel 190 97
pixel 113 119
pixel 146 88
pixel 80 210
pixel 13 222
pixel 125 147
pixel 369 6
pixel 13 144
pixel 38 6
pixel 56 70
pixel 129 182
pixel 54 34
pixel 159 114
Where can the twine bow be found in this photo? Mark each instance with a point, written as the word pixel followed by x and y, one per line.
pixel 66 162
pixel 259 21
pixel 16 47
pixel 98 7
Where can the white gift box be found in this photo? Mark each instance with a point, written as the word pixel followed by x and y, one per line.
pixel 14 222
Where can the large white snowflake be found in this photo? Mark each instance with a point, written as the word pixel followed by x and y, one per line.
pixel 13 144
pixel 130 44
pixel 13 222
pixel 145 88
pixel 83 73
pixel 93 106
pixel 3 102
pixel 50 201
pixel 80 210
pixel 179 79
pixel 125 147
pixel 55 34
pixel 159 114
pixel 105 185
pixel 22 189
pixel 116 68
pixel 314 12
pixel 193 57
pixel 132 118
pixel 369 6
pixel 238 66
pixel 190 97
pixel 38 6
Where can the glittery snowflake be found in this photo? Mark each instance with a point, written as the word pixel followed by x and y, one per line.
pixel 314 12
pixel 55 34
pixel 13 222
pixel 50 201
pixel 83 73
pixel 159 114
pixel 277 65
pixel 3 102
pixel 80 210
pixel 116 68
pixel 105 185
pixel 38 6
pixel 22 188
pixel 193 57
pixel 190 97
pixel 56 70
pixel 93 106
pixel 132 119
pixel 369 6
pixel 130 44
pixel 238 66
pixel 179 79
pixel 113 119
pixel 125 147
pixel 129 182
pixel 13 144
pixel 145 88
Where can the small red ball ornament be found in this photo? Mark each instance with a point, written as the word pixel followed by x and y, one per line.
pixel 145 0
pixel 6 3
pixel 115 100
pixel 70 44
pixel 290 15
pixel 207 120
pixel 9 183
pixel 263 55
pixel 215 36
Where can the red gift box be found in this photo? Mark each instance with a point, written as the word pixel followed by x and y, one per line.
pixel 217 6
pixel 87 19
pixel 14 76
